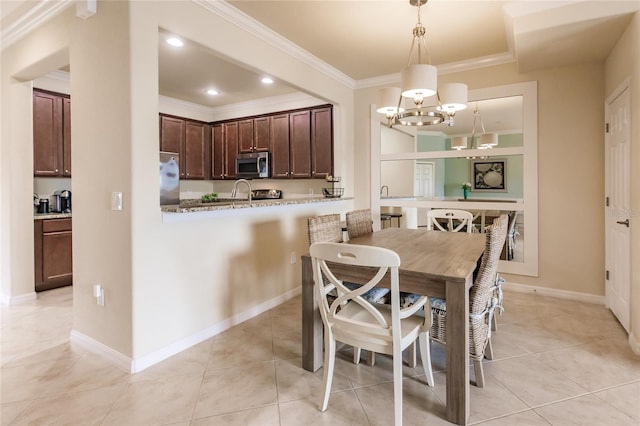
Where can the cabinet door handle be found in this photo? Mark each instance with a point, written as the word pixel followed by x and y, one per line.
pixel 56 170
pixel 66 171
pixel 623 222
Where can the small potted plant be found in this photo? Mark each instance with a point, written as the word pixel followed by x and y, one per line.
pixel 210 198
pixel 466 187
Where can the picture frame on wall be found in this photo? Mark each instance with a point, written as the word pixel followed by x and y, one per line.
pixel 489 175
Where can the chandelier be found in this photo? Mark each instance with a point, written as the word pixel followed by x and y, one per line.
pixel 481 140
pixel 432 104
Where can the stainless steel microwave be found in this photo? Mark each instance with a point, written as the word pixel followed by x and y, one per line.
pixel 254 165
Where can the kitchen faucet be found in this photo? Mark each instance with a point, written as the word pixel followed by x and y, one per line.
pixel 234 191
pixel 382 189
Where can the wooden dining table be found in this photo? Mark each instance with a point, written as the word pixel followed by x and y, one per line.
pixel 434 263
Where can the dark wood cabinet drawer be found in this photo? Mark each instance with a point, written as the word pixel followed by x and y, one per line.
pixel 56 225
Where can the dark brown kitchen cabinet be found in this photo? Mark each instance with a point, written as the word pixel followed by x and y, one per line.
pixel 189 139
pixel 224 150
pixel 321 142
pixel 245 135
pixel 230 148
pixel 253 135
pixel 279 144
pixel 300 144
pixel 66 137
pixel 217 151
pixel 53 253
pixel 51 134
pixel 196 161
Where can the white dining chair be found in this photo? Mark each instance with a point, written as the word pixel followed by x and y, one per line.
pixel 456 220
pixel 351 319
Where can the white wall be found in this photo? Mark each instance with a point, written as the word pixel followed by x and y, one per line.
pixel 570 168
pixel 163 282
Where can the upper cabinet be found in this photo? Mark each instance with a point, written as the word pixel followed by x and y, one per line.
pixel 300 142
pixel 224 149
pixel 253 135
pixel 189 139
pixel 321 142
pixel 51 134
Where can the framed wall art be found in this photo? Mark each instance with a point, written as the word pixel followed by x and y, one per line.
pixel 489 175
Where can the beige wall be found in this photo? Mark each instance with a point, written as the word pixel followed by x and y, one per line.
pixel 164 282
pixel 570 168
pixel 624 62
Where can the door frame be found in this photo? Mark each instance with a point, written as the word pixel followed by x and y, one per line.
pixel 619 90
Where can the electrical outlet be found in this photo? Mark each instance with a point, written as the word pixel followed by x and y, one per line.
pixel 293 257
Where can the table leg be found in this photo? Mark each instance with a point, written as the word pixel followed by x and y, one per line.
pixel 458 351
pixel 311 321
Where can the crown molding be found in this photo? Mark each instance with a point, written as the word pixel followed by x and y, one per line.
pixel 270 104
pixel 450 68
pixel 191 106
pixel 36 16
pixel 58 75
pixel 245 22
pixel 275 103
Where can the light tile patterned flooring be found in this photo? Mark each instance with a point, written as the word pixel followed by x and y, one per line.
pixel 556 362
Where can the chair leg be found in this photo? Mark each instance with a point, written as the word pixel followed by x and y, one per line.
pixel 425 355
pixel 477 366
pixel 356 355
pixel 413 360
pixel 371 359
pixel 397 385
pixel 329 362
pixel 494 322
pixel 488 351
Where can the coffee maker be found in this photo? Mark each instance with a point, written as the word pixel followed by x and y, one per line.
pixel 62 199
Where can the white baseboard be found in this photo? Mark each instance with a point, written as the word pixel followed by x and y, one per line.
pixel 98 348
pixel 18 300
pixel 155 357
pixel 552 292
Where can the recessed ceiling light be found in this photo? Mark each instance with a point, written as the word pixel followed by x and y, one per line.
pixel 175 41
pixel 212 92
pixel 267 80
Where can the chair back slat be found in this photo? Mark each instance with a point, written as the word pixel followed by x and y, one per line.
pixel 387 262
pixel 456 220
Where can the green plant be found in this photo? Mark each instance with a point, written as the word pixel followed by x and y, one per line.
pixel 210 198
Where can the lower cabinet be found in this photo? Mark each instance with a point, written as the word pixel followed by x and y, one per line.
pixel 53 253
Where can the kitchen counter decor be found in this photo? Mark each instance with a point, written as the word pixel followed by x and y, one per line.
pixel 333 192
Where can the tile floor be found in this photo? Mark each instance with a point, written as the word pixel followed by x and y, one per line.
pixel 556 362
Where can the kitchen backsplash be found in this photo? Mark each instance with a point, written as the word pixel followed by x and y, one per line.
pixel 46 186
pixel 293 188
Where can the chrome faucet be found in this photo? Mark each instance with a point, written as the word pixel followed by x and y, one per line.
pixel 382 190
pixel 234 191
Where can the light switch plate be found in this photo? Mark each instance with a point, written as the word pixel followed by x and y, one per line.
pixel 116 201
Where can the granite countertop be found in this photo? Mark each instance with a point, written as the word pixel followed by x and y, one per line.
pixel 196 205
pixel 41 216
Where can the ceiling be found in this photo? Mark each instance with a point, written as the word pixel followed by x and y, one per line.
pixel 364 41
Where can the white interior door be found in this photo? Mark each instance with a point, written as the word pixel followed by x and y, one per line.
pixel 618 206
pixel 424 184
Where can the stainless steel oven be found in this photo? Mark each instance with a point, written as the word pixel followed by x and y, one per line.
pixel 253 165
